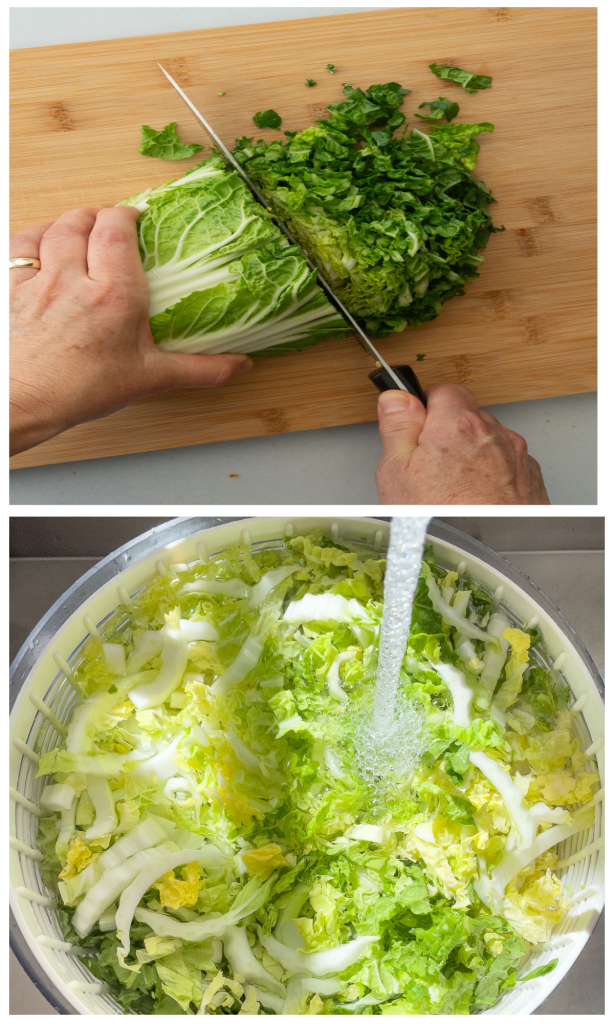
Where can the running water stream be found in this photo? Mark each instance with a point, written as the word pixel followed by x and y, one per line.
pixel 390 739
pixel 407 535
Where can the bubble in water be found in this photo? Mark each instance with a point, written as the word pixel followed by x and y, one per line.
pixel 390 740
pixel 388 751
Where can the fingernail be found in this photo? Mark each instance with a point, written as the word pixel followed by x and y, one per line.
pixel 393 401
pixel 246 365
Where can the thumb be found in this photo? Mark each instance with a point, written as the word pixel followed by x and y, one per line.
pixel 401 419
pixel 201 371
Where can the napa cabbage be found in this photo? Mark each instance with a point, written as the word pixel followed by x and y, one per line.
pixel 221 275
pixel 395 224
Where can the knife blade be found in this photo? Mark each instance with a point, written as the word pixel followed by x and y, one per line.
pixel 336 302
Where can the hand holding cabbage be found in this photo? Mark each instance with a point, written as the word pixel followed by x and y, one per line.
pixel 81 342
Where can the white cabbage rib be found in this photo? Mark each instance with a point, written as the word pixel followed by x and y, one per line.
pixel 239 589
pixel 115 657
pixel 160 863
pixel 449 615
pixel 525 819
pixel 495 660
pixel 256 329
pixel 211 926
pixel 58 798
pixel 326 608
pixel 228 588
pixel 245 661
pixel 146 834
pixel 462 694
pixel 240 957
pixel 101 796
pixel 108 889
pixel 330 961
pixel 174 662
pixel 191 630
pixel 148 646
pixel 332 676
pixel 491 888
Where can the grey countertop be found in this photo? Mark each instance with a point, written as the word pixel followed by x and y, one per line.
pixel 334 465
pixel 573 579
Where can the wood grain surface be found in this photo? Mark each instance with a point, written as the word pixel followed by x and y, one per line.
pixel 525 328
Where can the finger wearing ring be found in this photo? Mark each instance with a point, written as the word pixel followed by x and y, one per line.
pixel 24 261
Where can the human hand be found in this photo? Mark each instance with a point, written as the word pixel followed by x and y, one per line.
pixel 81 342
pixel 452 453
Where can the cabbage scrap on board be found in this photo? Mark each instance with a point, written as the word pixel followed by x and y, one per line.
pixel 394 223
pixel 208 834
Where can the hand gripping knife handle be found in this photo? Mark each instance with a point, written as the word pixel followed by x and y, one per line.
pixel 384 382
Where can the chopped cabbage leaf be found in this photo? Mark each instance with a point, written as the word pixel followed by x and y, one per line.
pixel 219 847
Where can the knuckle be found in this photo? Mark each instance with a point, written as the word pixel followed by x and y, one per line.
pixel 111 293
pixel 471 423
pixel 458 389
pixel 109 236
pixel 19 241
pixel 58 231
pixel 221 375
pixel 519 443
pixel 393 429
pixel 48 287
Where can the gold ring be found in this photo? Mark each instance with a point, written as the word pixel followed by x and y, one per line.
pixel 24 261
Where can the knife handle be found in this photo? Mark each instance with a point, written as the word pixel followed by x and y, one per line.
pixel 384 382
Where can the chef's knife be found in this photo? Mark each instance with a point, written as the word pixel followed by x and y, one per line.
pixel 388 377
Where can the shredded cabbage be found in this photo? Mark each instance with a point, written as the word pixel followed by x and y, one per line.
pixel 208 829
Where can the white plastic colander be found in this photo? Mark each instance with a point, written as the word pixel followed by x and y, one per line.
pixel 41 680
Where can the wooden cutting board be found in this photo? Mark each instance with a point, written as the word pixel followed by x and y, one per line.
pixel 525 328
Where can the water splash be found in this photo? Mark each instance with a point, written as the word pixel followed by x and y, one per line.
pixel 390 739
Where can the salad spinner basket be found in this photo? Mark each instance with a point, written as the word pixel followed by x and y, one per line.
pixel 41 685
